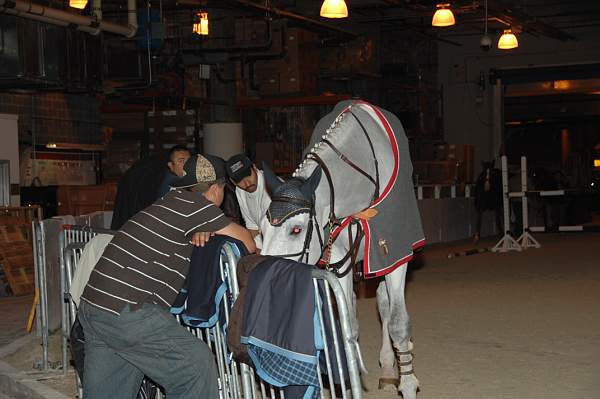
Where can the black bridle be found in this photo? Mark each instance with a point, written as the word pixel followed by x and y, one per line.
pixel 333 221
pixel 312 221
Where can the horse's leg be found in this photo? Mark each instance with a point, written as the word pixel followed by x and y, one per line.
pixel 499 214
pixel 387 361
pixel 400 332
pixel 478 213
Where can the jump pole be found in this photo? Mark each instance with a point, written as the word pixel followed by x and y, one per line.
pixel 507 242
pixel 526 240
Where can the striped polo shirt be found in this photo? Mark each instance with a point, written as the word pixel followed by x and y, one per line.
pixel 148 258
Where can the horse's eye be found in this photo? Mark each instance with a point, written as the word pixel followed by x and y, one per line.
pixel 296 230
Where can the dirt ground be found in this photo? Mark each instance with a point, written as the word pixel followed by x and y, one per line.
pixel 493 326
pixel 513 325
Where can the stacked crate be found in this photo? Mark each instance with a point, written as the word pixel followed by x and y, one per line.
pixel 296 71
pixel 16 255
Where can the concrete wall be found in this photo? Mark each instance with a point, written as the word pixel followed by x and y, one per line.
pixel 468 110
pixel 452 219
pixel 9 149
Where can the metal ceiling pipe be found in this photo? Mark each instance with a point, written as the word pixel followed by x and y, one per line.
pixel 97 13
pixel 27 9
pixel 11 11
pixel 283 13
pixel 132 23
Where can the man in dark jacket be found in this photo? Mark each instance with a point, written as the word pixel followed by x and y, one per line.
pixel 125 305
pixel 147 180
pixel 178 155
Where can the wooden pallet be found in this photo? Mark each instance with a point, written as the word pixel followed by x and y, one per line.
pixel 17 262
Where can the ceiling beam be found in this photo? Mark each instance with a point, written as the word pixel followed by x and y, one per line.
pixel 526 22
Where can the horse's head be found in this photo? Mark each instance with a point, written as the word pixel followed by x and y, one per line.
pixel 355 149
pixel 290 223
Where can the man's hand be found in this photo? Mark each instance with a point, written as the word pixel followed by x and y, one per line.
pixel 200 238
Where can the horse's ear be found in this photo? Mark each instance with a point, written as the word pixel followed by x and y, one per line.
pixel 271 178
pixel 310 185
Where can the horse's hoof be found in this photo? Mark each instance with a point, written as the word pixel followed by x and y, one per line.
pixel 389 384
pixel 408 392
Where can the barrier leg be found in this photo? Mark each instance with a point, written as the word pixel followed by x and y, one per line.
pixel 507 242
pixel 348 340
pixel 43 300
pixel 64 311
pixel 526 240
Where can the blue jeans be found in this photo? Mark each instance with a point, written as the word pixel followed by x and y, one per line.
pixel 120 350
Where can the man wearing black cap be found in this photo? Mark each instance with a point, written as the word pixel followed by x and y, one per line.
pixel 125 306
pixel 250 191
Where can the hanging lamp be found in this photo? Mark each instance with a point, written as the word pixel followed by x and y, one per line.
pixel 80 4
pixel 201 26
pixel 443 16
pixel 508 40
pixel 486 40
pixel 334 9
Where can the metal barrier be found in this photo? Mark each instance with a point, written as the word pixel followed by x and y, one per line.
pixel 438 191
pixel 49 239
pixel 71 254
pixel 238 380
pixel 39 257
pixel 72 241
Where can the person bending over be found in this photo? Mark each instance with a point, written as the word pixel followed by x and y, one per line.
pixel 125 305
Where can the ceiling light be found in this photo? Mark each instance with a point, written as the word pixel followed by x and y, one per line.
pixel 201 27
pixel 508 40
pixel 561 85
pixel 78 4
pixel 77 146
pixel 443 16
pixel 334 9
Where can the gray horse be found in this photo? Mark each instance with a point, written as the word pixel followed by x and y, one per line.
pixel 352 198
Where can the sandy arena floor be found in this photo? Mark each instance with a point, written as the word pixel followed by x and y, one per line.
pixel 493 326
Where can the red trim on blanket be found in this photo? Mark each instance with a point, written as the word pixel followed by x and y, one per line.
pixel 392 267
pixel 394 144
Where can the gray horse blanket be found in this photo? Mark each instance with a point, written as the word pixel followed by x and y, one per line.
pixel 395 232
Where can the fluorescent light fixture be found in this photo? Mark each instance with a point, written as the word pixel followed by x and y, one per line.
pixel 77 146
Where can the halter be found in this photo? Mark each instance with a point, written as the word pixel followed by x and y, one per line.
pixel 333 221
pixel 305 206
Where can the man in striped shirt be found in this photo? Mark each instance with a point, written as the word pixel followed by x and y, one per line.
pixel 125 305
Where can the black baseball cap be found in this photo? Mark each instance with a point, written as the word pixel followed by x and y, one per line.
pixel 238 167
pixel 201 169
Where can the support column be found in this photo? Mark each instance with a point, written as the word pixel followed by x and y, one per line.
pixel 497 142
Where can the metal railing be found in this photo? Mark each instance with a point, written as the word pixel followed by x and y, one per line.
pixel 239 380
